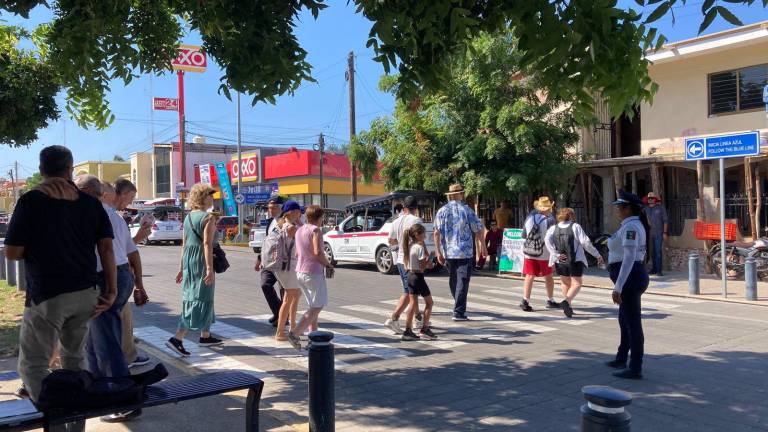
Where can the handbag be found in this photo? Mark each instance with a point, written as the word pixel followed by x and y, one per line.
pixel 220 262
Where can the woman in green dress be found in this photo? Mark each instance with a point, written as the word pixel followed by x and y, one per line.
pixel 196 274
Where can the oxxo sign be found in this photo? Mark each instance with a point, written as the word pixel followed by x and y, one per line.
pixel 190 59
pixel 250 166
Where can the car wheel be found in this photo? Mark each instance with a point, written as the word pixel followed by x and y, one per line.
pixel 256 250
pixel 177 242
pixel 329 254
pixel 384 260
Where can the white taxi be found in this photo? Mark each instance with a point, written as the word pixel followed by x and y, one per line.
pixel 363 237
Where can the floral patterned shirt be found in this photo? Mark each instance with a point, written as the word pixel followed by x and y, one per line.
pixel 457 224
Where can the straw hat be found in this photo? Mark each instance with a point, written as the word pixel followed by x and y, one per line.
pixel 544 204
pixel 455 189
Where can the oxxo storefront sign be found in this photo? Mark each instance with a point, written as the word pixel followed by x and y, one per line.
pixel 250 168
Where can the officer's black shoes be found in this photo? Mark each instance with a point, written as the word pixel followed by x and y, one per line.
pixel 615 364
pixel 551 304
pixel 628 374
pixel 525 306
pixel 567 309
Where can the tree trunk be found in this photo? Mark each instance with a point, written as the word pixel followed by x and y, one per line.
pixel 655 180
pixel 702 212
pixel 749 183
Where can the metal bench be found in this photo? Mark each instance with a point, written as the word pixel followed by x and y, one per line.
pixel 172 390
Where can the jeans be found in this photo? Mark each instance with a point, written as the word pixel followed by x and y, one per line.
pixel 658 252
pixel 268 281
pixel 493 262
pixel 403 276
pixel 630 319
pixel 62 319
pixel 104 350
pixel 459 271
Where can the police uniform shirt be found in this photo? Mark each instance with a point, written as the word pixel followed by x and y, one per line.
pixel 627 246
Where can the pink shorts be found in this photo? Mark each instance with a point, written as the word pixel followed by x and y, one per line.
pixel 534 267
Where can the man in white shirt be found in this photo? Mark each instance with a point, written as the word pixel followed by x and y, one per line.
pixel 397 233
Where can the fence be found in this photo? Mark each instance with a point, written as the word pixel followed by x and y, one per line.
pixel 678 210
pixel 581 216
pixel 737 207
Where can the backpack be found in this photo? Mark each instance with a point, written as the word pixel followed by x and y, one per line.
pixel 67 390
pixel 534 244
pixel 276 251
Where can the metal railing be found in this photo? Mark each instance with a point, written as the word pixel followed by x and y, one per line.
pixel 737 207
pixel 678 210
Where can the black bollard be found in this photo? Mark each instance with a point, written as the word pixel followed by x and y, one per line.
pixel 10 272
pixel 21 276
pixel 605 410
pixel 2 264
pixel 322 394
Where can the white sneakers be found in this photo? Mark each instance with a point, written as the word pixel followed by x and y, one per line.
pixel 393 325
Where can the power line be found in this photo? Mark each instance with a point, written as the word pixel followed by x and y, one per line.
pixel 253 142
pixel 368 92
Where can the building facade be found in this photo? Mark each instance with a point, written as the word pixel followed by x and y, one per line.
pixel 108 171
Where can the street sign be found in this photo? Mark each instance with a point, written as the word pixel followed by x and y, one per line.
pixel 165 104
pixel 240 198
pixel 191 59
pixel 723 146
pixel 259 192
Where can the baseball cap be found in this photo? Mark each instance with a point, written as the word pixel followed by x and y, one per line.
pixel 410 202
pixel 290 205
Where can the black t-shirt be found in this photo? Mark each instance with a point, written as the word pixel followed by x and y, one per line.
pixel 59 239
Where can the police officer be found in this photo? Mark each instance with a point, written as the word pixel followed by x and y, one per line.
pixel 626 254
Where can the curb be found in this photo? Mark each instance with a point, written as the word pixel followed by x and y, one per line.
pixel 762 303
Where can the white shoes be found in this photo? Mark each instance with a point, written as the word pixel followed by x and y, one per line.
pixel 393 325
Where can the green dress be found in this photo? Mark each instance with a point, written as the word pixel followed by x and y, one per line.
pixel 197 297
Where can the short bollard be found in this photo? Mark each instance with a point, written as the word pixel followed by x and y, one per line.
pixel 605 410
pixel 10 272
pixel 750 278
pixel 2 264
pixel 693 274
pixel 21 276
pixel 322 394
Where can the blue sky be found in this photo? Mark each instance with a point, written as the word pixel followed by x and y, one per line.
pixel 294 120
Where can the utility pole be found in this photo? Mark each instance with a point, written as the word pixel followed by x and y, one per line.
pixel 351 79
pixel 239 237
pixel 321 145
pixel 15 178
pixel 182 139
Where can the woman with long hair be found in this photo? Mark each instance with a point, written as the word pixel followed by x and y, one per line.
pixel 567 242
pixel 626 255
pixel 196 274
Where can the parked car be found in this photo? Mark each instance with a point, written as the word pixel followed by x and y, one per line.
pixel 363 237
pixel 167 225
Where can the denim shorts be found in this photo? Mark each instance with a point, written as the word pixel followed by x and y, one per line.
pixel 403 277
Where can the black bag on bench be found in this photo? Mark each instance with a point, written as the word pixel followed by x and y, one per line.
pixel 66 390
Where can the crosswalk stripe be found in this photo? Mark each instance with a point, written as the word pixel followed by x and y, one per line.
pixel 378 327
pixel 201 358
pixel 482 333
pixel 516 325
pixel 590 299
pixel 355 343
pixel 511 310
pixel 266 344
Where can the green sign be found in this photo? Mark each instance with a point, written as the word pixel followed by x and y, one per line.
pixel 511 259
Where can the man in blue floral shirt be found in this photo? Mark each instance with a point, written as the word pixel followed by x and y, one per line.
pixel 457 231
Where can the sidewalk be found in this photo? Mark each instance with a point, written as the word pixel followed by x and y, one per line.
pixel 674 283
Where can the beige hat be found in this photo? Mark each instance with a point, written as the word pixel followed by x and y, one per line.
pixel 544 204
pixel 455 189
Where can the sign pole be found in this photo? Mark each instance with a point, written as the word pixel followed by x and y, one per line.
pixel 723 266
pixel 182 125
pixel 239 237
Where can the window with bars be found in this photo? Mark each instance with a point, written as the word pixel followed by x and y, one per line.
pixel 737 90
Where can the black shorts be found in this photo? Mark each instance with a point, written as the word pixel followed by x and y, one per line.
pixel 417 285
pixel 572 270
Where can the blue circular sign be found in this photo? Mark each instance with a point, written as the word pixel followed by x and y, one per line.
pixel 695 149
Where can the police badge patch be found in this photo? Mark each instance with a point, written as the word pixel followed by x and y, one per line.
pixel 631 235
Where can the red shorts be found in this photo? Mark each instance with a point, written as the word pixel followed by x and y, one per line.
pixel 534 267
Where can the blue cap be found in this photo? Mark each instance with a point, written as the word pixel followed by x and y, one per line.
pixel 290 205
pixel 628 198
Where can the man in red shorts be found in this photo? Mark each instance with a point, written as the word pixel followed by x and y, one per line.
pixel 536 263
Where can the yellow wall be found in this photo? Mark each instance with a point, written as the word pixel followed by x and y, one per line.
pixel 681 106
pixel 109 171
pixel 6 203
pixel 304 185
pixel 142 165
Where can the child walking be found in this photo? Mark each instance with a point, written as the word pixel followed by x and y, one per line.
pixel 310 272
pixel 416 258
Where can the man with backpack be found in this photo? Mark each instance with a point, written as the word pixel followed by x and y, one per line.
pixel 536 261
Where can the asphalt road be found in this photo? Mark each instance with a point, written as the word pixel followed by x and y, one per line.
pixel 705 364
